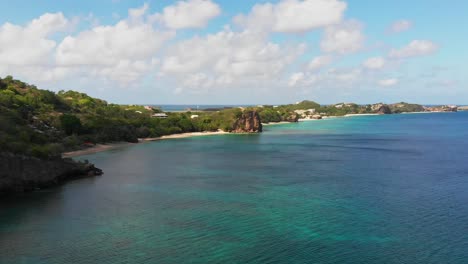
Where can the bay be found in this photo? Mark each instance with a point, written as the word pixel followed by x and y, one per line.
pixel 367 189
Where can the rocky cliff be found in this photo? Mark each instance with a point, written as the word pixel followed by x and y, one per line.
pixel 248 122
pixel 382 109
pixel 20 173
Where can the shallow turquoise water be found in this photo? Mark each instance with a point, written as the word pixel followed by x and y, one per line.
pixel 372 189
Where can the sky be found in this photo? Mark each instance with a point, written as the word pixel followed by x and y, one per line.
pixel 240 52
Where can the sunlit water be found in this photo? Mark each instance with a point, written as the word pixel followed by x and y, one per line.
pixel 371 189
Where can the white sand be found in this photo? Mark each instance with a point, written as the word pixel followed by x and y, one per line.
pixel 104 147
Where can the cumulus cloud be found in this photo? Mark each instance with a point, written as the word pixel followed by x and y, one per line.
pixel 30 45
pixel 400 26
pixel 330 78
pixel 142 46
pixel 295 78
pixel 374 63
pixel 122 52
pixel 227 58
pixel 319 62
pixel 108 45
pixel 388 82
pixel 27 51
pixel 293 16
pixel 188 14
pixel 414 49
pixel 344 38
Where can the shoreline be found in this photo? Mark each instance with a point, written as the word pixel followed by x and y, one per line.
pixel 351 115
pixel 105 147
pixel 276 123
pixel 184 135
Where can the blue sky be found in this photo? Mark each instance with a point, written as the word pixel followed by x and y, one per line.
pixel 240 52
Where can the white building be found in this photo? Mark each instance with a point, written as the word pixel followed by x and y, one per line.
pixel 159 115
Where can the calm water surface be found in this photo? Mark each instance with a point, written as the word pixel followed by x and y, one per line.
pixel 372 189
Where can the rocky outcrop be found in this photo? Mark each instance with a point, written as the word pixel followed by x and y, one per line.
pixel 292 118
pixel 20 173
pixel 248 122
pixel 382 109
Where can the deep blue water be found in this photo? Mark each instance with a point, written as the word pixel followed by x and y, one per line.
pixel 371 189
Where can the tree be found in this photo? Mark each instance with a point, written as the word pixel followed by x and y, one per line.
pixel 70 124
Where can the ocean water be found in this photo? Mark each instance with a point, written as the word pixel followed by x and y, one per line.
pixel 369 189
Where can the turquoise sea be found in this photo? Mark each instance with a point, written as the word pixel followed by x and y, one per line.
pixel 368 189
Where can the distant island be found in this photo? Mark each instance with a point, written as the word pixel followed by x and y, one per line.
pixel 37 126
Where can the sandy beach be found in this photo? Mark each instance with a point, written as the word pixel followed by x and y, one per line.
pixel 350 115
pixel 104 147
pixel 184 135
pixel 276 123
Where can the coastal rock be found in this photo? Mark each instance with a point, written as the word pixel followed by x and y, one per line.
pixel 19 173
pixel 248 122
pixel 382 109
pixel 293 118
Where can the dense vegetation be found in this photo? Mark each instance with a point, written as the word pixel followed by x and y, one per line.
pixel 43 123
pixel 406 108
pixel 310 108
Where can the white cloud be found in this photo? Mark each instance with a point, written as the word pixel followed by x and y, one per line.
pixel 107 45
pixel 330 78
pixel 227 58
pixel 400 26
pixel 293 16
pixel 30 45
pixel 319 62
pixel 343 75
pixel 374 63
pixel 27 51
pixel 138 13
pixel 413 49
pixel 388 82
pixel 295 78
pixel 122 52
pixel 344 38
pixel 188 14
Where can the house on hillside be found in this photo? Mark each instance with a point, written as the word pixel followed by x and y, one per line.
pixel 159 115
